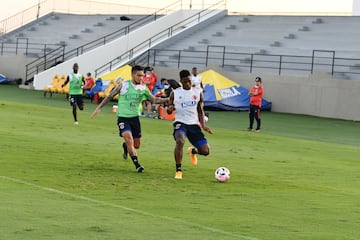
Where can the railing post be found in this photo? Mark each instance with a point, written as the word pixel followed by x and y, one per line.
pixel 312 62
pixel 333 63
pixel 154 57
pixel 223 58
pixel 26 72
pixel 251 62
pixel 27 47
pixel 44 49
pixel 179 59
pixel 45 61
pixel 63 55
pixel 280 63
pixel 148 57
pixel 207 56
pixel 16 48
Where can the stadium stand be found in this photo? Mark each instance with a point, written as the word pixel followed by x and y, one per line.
pixel 71 30
pixel 291 35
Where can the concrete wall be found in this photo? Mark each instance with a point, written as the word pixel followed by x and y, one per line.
pixel 13 67
pixel 317 95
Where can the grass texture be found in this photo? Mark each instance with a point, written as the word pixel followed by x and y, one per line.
pixel 298 179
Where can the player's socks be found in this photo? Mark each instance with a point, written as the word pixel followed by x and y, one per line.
pixel 138 167
pixel 178 167
pixel 125 153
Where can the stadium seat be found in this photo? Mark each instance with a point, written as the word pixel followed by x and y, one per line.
pixel 53 85
pixel 107 91
pixel 58 88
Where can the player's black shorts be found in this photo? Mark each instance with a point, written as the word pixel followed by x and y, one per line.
pixel 76 99
pixel 129 125
pixel 192 132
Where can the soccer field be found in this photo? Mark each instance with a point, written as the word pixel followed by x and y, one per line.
pixel 297 179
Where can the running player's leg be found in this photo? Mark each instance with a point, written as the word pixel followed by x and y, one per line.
pixel 258 119
pixel 198 140
pixel 251 117
pixel 179 134
pixel 80 102
pixel 126 132
pixel 73 105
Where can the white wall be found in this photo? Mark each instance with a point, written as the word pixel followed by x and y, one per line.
pixel 317 95
pixel 356 8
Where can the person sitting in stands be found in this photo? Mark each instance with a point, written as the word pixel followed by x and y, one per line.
pixel 89 83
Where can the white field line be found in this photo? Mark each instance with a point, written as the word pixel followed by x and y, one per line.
pixel 210 229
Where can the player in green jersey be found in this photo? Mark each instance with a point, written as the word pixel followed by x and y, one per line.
pixel 75 90
pixel 131 94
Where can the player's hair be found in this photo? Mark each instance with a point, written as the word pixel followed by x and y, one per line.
pixel 184 73
pixel 136 68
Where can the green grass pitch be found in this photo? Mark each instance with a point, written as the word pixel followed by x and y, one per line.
pixel 298 179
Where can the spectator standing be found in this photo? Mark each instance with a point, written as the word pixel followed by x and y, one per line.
pixel 196 79
pixel 187 102
pixel 255 93
pixel 131 93
pixel 76 81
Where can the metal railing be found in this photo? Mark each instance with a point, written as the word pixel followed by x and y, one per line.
pixel 25 47
pixel 74 6
pixel 42 63
pixel 319 61
pixel 156 38
pixel 47 61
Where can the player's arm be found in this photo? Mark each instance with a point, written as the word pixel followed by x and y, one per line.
pixel 200 110
pixel 171 106
pixel 253 93
pixel 66 81
pixel 113 92
pixel 154 99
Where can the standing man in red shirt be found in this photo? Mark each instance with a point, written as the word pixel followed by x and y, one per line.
pixel 255 93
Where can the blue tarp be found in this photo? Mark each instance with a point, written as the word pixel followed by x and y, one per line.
pixel 3 79
pixel 224 94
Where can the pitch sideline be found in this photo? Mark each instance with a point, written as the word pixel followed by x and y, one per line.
pixel 215 230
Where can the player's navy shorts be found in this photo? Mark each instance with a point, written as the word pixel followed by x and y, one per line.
pixel 192 132
pixel 129 125
pixel 76 99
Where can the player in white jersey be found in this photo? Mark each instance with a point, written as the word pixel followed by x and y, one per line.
pixel 187 102
pixel 196 79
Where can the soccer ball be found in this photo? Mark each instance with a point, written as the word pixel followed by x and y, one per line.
pixel 222 174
